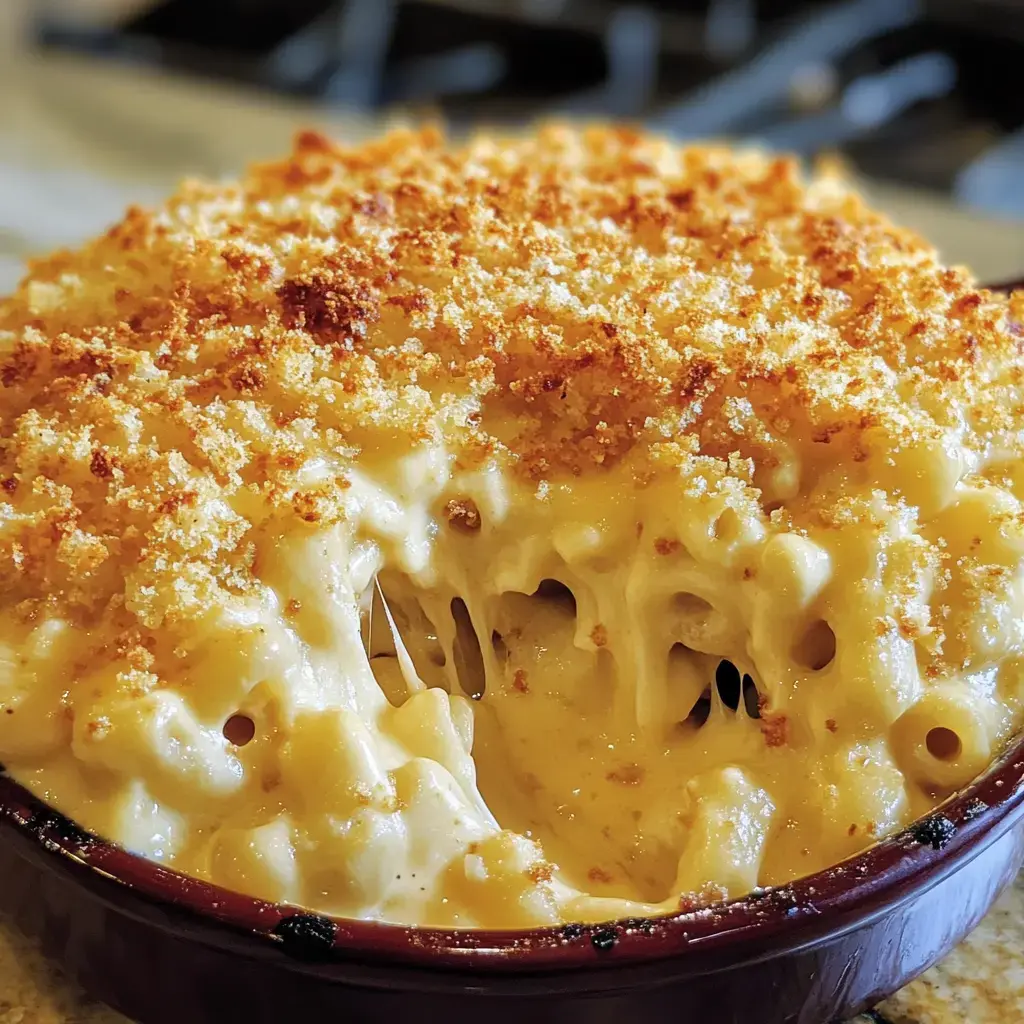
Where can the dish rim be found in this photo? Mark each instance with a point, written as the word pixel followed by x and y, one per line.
pixel 766 922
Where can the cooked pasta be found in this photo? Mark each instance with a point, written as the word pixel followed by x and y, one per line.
pixel 548 528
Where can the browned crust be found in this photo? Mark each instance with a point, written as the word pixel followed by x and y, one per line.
pixel 596 293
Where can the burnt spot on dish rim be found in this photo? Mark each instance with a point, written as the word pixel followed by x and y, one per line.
pixel 53 830
pixel 604 939
pixel 936 831
pixel 306 936
pixel 973 809
pixel 49 825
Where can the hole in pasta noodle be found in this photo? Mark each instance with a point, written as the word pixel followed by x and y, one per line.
pixel 727 682
pixel 751 698
pixel 943 744
pixel 469 659
pixel 239 729
pixel 817 647
pixel 558 593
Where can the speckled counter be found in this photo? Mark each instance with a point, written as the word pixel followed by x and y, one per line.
pixel 981 982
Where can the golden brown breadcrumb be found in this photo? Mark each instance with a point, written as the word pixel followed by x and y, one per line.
pixel 558 300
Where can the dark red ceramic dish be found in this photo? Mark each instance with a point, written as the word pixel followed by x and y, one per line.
pixel 164 948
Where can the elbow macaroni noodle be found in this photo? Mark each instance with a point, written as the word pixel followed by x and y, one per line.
pixel 338 650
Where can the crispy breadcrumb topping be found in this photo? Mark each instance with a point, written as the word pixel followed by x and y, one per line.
pixel 555 302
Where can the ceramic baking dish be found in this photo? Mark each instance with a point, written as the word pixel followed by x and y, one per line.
pixel 165 948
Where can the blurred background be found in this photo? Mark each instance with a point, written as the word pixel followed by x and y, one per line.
pixel 105 102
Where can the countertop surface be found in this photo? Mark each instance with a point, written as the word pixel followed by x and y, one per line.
pixel 78 141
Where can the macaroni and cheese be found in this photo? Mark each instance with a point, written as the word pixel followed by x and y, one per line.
pixel 552 528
